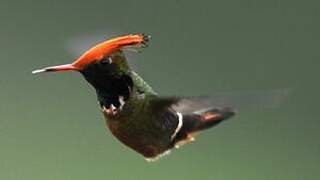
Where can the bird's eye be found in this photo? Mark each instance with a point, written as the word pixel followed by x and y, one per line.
pixel 106 60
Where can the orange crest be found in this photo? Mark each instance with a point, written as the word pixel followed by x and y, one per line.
pixel 103 49
pixel 99 51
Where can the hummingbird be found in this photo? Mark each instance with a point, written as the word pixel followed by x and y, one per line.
pixel 135 114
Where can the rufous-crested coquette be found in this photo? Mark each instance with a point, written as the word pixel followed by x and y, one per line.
pixel 135 114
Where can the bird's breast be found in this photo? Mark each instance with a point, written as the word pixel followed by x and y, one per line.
pixel 135 140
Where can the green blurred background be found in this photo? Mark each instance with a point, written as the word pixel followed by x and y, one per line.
pixel 51 127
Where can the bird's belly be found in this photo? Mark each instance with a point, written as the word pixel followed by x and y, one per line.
pixel 141 141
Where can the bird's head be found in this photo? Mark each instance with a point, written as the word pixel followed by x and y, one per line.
pixel 103 59
pixel 105 67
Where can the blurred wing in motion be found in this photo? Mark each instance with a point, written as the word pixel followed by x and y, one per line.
pixel 254 100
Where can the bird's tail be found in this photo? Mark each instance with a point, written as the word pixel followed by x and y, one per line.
pixel 206 118
pixel 200 120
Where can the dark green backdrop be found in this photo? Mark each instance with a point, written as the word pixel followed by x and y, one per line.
pixel 50 125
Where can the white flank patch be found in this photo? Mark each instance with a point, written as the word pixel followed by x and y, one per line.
pixel 180 123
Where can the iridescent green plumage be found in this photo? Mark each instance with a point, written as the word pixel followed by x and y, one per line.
pixel 135 114
pixel 137 124
pixel 139 118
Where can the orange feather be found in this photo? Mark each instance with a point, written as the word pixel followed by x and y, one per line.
pixel 103 49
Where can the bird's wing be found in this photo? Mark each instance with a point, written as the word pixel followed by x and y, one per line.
pixel 239 101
